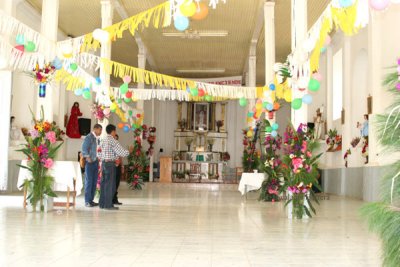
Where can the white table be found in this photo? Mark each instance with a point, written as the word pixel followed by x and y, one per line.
pixel 67 175
pixel 250 181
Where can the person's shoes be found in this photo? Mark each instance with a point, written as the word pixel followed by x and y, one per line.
pixel 112 208
pixel 94 203
pixel 89 205
pixel 117 203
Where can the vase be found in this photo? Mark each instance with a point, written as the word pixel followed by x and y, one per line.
pixel 296 207
pixel 47 205
pixel 42 90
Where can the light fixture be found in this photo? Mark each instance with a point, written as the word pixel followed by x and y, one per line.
pixel 194 34
pixel 208 70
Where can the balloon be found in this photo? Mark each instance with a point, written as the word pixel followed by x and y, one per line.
pixel 274 133
pixel 87 95
pixel 73 66
pixel 297 103
pixel 272 87
pixel 317 76
pixel 130 113
pixel 314 85
pixel 30 46
pixel 288 96
pixel 188 9
pixel 194 91
pixel 113 107
pixel 259 101
pixel 119 101
pixel 249 134
pixel 258 106
pixel 128 94
pixel 188 90
pixel 250 114
pixel 127 100
pixel 123 88
pixel 323 49
pixel 57 63
pixel 101 35
pixel 98 80
pixel 209 98
pixel 345 3
pixel 307 99
pixel 127 79
pixel 379 5
pixel 78 92
pixel 275 126
pixel 270 107
pixel 20 48
pixel 243 102
pixel 277 106
pixel 181 23
pixel 268 129
pixel 201 92
pixel 126 128
pixel 120 125
pixel 20 39
pixel 86 89
pixel 138 115
pixel 201 12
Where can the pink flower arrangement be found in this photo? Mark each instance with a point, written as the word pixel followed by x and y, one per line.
pixel 297 164
pixel 48 163
pixel 51 136
pixel 33 133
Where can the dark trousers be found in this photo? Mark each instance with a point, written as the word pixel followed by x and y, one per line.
pixel 107 186
pixel 91 175
pixel 118 173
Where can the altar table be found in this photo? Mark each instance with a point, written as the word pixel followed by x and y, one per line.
pixel 250 181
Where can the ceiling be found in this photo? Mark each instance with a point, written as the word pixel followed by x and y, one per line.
pixel 238 17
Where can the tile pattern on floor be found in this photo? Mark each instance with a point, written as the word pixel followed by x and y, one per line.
pixel 186 225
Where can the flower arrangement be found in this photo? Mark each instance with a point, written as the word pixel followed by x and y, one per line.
pixel 41 149
pixel 251 159
pixel 272 187
pixel 334 141
pixel 138 163
pixel 42 76
pixel 226 156
pixel 100 112
pixel 346 155
pixel 300 169
pixel 151 139
pixel 364 151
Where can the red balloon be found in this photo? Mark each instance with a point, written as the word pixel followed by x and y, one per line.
pixel 201 92
pixel 138 116
pixel 20 48
pixel 128 94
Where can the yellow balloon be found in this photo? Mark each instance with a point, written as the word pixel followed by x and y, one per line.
pixel 67 55
pixel 188 9
pixel 249 134
pixel 287 95
pixel 259 106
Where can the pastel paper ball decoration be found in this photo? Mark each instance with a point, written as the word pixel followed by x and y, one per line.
pixel 188 9
pixel 307 99
pixel 268 129
pixel 274 133
pixel 57 63
pixel 345 3
pixel 314 85
pixel 201 12
pixel 277 106
pixel 379 5
pixel 201 92
pixel 127 79
pixel 20 39
pixel 127 100
pixel 275 126
pixel 270 107
pixel 30 46
pixel 297 103
pixel 78 92
pixel 123 88
pixel 243 102
pixel 98 80
pixel 181 23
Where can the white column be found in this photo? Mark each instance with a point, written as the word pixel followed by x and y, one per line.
pixel 49 29
pixel 251 79
pixel 299 33
pixel 141 65
pixel 9 7
pixel 347 101
pixel 105 52
pixel 329 87
pixel 269 26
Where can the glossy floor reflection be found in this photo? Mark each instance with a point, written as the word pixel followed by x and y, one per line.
pixel 186 225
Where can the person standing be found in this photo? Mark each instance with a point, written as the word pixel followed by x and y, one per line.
pixel 118 173
pixel 73 125
pixel 89 152
pixel 110 152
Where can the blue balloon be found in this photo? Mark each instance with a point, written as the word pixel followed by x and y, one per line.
pixel 275 126
pixel 78 92
pixel 57 63
pixel 98 80
pixel 272 87
pixel 126 128
pixel 274 133
pixel 20 39
pixel 345 3
pixel 181 23
pixel 86 89
pixel 270 107
pixel 307 99
pixel 188 89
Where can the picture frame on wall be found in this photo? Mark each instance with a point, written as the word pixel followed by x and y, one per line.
pixel 201 115
pixel 369 104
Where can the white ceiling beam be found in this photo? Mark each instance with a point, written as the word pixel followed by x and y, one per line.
pixel 142 47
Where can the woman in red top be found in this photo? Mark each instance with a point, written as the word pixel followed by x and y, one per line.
pixel 73 126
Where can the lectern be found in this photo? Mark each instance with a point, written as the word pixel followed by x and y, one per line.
pixel 165 169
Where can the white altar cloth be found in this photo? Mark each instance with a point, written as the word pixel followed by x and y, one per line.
pixel 250 181
pixel 64 173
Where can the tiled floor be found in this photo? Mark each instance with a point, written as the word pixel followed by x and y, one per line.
pixel 186 225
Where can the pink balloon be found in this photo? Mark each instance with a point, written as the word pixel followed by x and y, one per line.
pixel 328 40
pixel 317 76
pixel 259 101
pixel 127 79
pixel 379 5
pixel 20 48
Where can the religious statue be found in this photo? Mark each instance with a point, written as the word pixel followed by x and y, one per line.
pixel 318 122
pixel 73 126
pixel 201 123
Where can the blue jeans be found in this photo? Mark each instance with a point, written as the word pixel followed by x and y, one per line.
pixel 91 175
pixel 107 186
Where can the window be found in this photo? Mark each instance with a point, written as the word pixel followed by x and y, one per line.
pixel 337 85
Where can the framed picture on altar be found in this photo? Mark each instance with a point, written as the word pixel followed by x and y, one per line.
pixel 201 115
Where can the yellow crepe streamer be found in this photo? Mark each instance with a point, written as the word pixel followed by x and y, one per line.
pixel 69 80
pixel 156 16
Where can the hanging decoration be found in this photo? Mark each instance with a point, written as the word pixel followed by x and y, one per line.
pixel 201 11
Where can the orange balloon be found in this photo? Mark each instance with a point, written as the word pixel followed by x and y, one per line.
pixel 201 12
pixel 120 125
pixel 276 106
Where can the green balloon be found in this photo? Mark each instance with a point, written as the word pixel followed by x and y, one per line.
pixel 73 66
pixel 243 102
pixel 124 88
pixel 314 85
pixel 268 129
pixel 208 98
pixel 119 101
pixel 194 91
pixel 127 100
pixel 297 103
pixel 87 95
pixel 30 46
pixel 130 113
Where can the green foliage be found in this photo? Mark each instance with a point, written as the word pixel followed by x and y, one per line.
pixel 138 164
